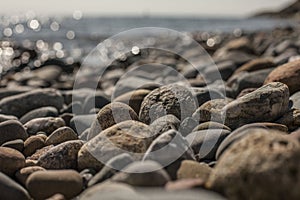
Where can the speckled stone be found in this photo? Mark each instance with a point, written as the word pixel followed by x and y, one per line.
pixel 11 160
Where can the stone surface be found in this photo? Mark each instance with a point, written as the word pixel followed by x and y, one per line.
pixel 267 103
pixel 61 135
pixel 4 118
pixel 146 174
pixel 11 130
pixel 170 99
pixel 11 160
pixel 62 156
pixel 39 113
pixel 45 124
pixel 288 73
pixel 44 184
pixel 256 64
pixel 13 105
pixel 111 114
pixel 126 137
pixel 11 190
pixel 274 159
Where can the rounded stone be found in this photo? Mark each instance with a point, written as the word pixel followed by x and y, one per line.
pixel 134 98
pixel 23 174
pixel 62 156
pixel 12 130
pixel 38 113
pixel 210 125
pixel 164 124
pixel 110 115
pixel 259 166
pixel 12 190
pixel 14 144
pixel 170 99
pixel 21 104
pixel 45 124
pixel 191 169
pixel 11 160
pixel 126 137
pixel 291 119
pixel 205 143
pixel 256 64
pixel 61 135
pixel 44 184
pixel 288 74
pixel 146 174
pixel 32 144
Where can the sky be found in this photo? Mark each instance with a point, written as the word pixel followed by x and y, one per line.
pixel 142 7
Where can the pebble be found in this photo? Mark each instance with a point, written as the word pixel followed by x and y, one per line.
pixel 143 174
pixel 191 169
pixel 134 98
pixel 111 114
pixel 23 174
pixel 45 124
pixel 164 124
pixel 33 99
pixel 126 137
pixel 169 149
pixel 32 144
pixel 187 126
pixel 210 125
pixel 256 64
pixel 79 123
pixel 169 99
pixel 274 159
pixel 288 73
pixel 65 182
pixel 11 160
pixel 39 113
pixel 205 143
pixel 12 130
pixel 4 118
pixel 97 100
pixel 291 119
pixel 267 103
pixel 114 165
pixel 61 135
pixel 12 190
pixel 62 156
pixel 17 144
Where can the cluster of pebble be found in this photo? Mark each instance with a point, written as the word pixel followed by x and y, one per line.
pixel 239 144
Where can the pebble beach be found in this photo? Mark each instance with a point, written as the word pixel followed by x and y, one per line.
pixel 217 117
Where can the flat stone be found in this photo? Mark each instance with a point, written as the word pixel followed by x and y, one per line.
pixel 291 119
pixel 17 144
pixel 12 130
pixel 164 124
pixel 12 190
pixel 44 184
pixel 61 135
pixel 45 124
pixel 210 125
pixel 256 64
pixel 39 113
pixel 62 156
pixel 11 160
pixel 267 103
pixel 4 118
pixel 21 104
